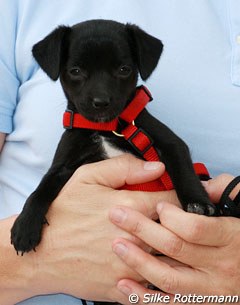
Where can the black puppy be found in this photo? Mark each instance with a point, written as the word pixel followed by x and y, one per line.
pixel 98 63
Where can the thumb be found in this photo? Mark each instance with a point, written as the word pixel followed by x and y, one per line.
pixel 116 172
pixel 217 185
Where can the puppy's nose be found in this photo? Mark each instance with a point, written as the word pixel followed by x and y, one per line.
pixel 98 102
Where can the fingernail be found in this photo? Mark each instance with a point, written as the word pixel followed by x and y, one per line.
pixel 120 249
pixel 118 215
pixel 150 166
pixel 124 289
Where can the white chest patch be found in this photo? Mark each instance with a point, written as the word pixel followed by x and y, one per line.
pixel 110 151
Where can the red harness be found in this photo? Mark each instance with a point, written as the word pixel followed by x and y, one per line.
pixel 136 136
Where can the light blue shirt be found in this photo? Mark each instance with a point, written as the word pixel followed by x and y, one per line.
pixel 196 86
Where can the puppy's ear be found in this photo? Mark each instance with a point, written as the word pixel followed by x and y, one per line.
pixel 48 52
pixel 146 49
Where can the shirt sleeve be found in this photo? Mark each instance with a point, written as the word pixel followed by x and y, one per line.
pixel 9 82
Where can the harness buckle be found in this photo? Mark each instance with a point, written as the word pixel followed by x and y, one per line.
pixel 120 134
pixel 140 151
pixel 70 126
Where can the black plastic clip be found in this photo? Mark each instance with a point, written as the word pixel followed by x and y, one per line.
pixel 227 206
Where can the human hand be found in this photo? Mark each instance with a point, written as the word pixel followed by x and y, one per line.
pixel 75 255
pixel 202 252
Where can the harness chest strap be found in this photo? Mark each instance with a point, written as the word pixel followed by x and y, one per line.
pixel 135 136
pixel 142 142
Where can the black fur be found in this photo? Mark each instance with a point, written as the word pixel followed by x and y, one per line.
pixel 98 63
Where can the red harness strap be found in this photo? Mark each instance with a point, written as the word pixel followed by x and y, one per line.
pixel 137 137
pixel 144 145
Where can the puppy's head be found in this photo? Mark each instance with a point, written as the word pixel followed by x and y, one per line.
pixel 98 63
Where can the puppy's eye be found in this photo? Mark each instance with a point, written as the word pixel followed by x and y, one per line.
pixel 77 72
pixel 124 71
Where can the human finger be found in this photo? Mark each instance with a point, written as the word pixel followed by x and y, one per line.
pixel 116 172
pixel 160 238
pixel 145 202
pixel 171 262
pixel 160 274
pixel 216 186
pixel 197 229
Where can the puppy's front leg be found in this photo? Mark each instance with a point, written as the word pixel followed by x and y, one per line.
pixel 175 154
pixel 27 229
pixel 75 148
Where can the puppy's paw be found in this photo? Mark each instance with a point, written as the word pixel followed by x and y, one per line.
pixel 26 232
pixel 207 209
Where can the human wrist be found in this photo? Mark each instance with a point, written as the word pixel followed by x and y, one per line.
pixel 16 272
pixel 34 273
